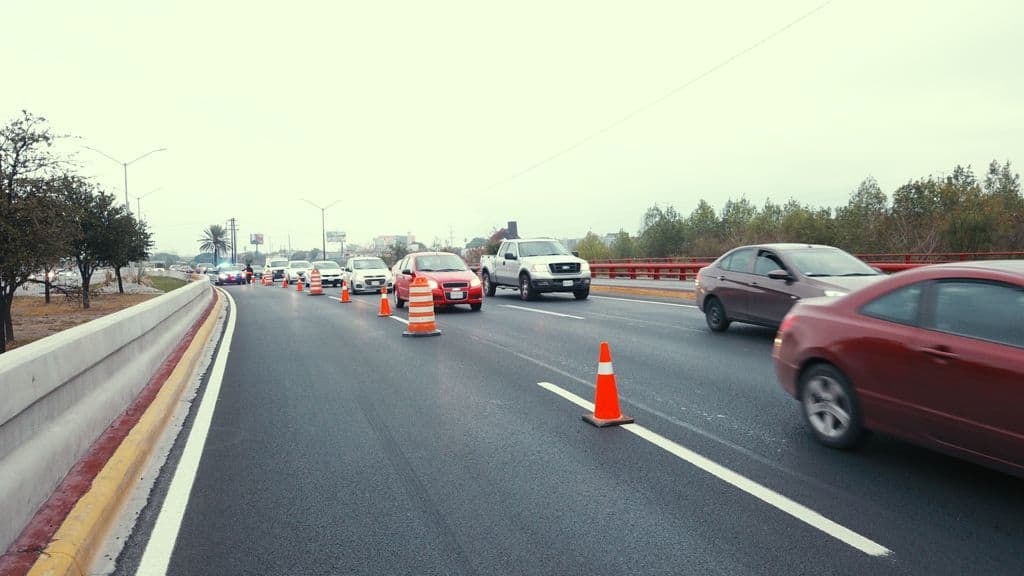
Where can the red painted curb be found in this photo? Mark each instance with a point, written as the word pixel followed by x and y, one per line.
pixel 22 554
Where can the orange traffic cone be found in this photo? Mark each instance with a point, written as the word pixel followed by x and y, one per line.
pixel 298 285
pixel 344 292
pixel 284 282
pixel 385 306
pixel 316 287
pixel 606 401
pixel 421 309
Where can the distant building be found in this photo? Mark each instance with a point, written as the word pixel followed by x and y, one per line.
pixel 382 242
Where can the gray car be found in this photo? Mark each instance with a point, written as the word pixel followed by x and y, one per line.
pixel 759 284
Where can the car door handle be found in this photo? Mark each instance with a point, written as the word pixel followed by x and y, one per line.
pixel 939 352
pixel 753 283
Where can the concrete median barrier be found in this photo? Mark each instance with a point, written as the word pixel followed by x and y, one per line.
pixel 62 392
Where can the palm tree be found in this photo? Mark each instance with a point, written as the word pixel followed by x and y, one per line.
pixel 214 240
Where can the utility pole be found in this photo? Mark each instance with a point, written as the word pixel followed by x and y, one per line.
pixel 233 227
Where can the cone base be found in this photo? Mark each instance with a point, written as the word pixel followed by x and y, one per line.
pixel 418 334
pixel 603 423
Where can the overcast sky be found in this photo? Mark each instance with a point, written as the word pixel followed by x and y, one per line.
pixel 417 115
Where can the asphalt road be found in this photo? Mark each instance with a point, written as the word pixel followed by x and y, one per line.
pixel 339 447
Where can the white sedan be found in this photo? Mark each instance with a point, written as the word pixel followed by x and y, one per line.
pixel 369 274
pixel 330 272
pixel 296 269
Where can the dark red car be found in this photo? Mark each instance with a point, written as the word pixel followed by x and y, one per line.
pixel 933 355
pixel 450 279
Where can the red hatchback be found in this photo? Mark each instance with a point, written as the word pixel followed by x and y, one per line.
pixel 450 279
pixel 933 355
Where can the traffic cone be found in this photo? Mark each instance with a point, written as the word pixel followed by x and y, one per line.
pixel 606 401
pixel 344 292
pixel 316 287
pixel 298 284
pixel 421 309
pixel 284 282
pixel 385 306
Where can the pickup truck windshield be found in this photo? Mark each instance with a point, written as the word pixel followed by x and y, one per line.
pixel 440 263
pixel 542 248
pixel 368 264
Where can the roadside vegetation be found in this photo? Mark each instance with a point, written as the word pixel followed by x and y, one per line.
pixel 165 283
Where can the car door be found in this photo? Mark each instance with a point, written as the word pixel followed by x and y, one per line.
pixel 769 299
pixel 733 286
pixel 509 267
pixel 970 358
pixel 401 279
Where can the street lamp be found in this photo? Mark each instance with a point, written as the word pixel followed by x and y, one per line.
pixel 323 225
pixel 125 166
pixel 138 200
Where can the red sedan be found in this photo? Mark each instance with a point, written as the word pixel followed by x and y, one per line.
pixel 450 279
pixel 933 355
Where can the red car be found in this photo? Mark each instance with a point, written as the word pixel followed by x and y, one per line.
pixel 450 279
pixel 933 355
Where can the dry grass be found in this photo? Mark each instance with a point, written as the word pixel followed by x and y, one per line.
pixel 34 320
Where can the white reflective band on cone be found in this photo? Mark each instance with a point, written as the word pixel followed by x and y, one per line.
pixel 604 368
pixel 415 320
pixel 416 299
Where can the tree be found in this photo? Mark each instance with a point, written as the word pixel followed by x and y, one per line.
pixel 130 241
pixel 623 246
pixel 395 252
pixel 736 218
pixel 705 230
pixel 314 254
pixel 215 239
pixel 300 255
pixel 98 214
pixel 475 243
pixel 663 232
pixel 592 247
pixel 862 224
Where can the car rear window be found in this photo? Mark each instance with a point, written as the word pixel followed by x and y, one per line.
pixel 368 264
pixel 901 306
pixel 982 310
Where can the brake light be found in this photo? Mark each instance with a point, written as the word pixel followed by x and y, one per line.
pixel 787 323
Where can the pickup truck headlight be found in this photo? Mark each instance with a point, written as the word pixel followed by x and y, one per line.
pixel 539 268
pixel 584 267
pixel 475 282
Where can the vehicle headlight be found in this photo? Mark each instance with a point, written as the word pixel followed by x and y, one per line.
pixel 539 268
pixel 474 282
pixel 223 275
pixel 433 284
pixel 585 267
pixel 835 293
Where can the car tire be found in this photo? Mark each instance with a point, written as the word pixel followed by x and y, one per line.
pixel 581 294
pixel 489 287
pixel 476 307
pixel 399 303
pixel 830 407
pixel 526 291
pixel 715 316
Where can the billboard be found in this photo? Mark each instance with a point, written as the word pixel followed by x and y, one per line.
pixel 256 239
pixel 335 236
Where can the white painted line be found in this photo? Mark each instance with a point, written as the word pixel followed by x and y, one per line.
pixel 644 301
pixel 165 532
pixel 766 495
pixel 541 311
pixel 402 320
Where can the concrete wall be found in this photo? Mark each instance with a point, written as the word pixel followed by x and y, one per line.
pixel 58 394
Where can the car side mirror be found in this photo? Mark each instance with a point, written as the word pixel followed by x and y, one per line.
pixel 510 256
pixel 406 272
pixel 576 253
pixel 779 274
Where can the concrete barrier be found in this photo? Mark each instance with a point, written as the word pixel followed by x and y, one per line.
pixel 60 393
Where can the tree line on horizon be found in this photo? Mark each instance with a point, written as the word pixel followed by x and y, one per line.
pixel 957 212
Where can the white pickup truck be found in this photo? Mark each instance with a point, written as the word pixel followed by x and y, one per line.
pixel 534 266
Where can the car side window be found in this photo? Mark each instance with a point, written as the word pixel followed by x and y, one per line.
pixel 901 306
pixel 513 248
pixel 739 261
pixel 502 248
pixel 983 310
pixel 766 262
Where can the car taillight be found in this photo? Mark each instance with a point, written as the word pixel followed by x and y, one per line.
pixel 787 323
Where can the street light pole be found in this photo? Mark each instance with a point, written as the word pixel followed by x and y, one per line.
pixel 125 165
pixel 323 223
pixel 138 201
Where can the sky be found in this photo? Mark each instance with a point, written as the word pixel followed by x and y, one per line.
pixel 448 119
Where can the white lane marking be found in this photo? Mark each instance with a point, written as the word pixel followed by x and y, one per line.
pixel 402 320
pixel 763 493
pixel 645 301
pixel 165 532
pixel 525 309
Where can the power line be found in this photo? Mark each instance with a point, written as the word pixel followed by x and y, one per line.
pixel 640 110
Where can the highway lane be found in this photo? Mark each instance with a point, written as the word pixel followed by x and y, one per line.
pixel 340 447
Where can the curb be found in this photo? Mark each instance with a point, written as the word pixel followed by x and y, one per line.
pixel 666 293
pixel 82 534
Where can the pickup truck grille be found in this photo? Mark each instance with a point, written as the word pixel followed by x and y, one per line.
pixel 455 284
pixel 564 268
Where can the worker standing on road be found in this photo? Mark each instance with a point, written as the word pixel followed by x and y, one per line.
pixel 248 273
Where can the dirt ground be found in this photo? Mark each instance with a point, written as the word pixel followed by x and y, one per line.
pixel 34 320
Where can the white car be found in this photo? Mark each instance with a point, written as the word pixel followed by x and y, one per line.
pixel 296 269
pixel 330 272
pixel 368 273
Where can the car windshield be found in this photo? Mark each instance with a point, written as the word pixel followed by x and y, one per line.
pixel 298 264
pixel 368 264
pixel 327 265
pixel 230 268
pixel 278 263
pixel 828 262
pixel 440 263
pixel 542 248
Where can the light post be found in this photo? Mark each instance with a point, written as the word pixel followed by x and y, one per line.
pixel 138 201
pixel 323 224
pixel 125 165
